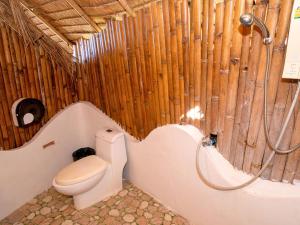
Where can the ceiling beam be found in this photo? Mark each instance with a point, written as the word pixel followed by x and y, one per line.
pixel 80 11
pixel 46 22
pixel 127 8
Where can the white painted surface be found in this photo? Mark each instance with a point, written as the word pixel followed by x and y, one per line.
pixel 29 170
pixel 163 165
pixel 292 58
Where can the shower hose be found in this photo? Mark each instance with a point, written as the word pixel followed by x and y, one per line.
pixel 275 149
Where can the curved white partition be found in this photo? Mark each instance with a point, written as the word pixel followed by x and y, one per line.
pixel 164 166
pixel 29 170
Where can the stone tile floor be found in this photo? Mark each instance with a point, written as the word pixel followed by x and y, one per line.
pixel 129 207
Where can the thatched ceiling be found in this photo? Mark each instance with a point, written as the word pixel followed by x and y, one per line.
pixel 66 21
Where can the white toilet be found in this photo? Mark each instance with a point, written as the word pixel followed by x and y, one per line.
pixel 93 178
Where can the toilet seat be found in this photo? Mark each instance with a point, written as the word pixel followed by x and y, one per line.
pixel 81 170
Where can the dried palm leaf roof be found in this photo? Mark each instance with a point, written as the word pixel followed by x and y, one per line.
pixel 57 24
pixel 66 21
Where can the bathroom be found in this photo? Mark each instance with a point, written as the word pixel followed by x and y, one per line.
pixel 136 112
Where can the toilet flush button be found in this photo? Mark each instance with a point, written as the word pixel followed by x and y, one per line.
pixel 109 134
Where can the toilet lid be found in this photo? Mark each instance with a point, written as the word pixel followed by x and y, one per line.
pixel 81 170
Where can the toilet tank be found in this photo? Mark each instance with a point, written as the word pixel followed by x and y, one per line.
pixel 110 146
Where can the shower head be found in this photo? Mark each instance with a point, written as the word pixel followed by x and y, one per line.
pixel 248 19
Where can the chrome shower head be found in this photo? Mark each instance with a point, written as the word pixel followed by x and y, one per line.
pixel 248 19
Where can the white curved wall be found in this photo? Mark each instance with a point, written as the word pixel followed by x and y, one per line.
pixel 29 170
pixel 162 165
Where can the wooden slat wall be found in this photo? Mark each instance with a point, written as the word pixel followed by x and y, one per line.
pixel 173 57
pixel 151 70
pixel 26 71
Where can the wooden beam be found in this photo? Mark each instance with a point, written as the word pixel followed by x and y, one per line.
pixel 127 8
pixel 80 11
pixel 46 22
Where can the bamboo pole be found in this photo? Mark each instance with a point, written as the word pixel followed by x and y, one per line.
pixel 158 76
pixel 233 79
pixel 204 65
pixel 164 62
pixel 257 105
pixel 276 122
pixel 151 67
pixel 153 74
pixel 6 126
pixel 22 86
pixel 210 58
pixel 179 34
pixel 279 161
pixel 254 59
pixel 185 46
pixel 134 78
pixel 293 158
pixel 216 66
pixel 165 7
pixel 118 73
pixel 197 55
pixel 224 72
pixel 9 83
pixel 127 78
pixel 174 59
pixel 241 83
pixel 191 62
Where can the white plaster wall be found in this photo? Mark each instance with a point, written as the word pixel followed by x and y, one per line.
pixel 29 170
pixel 163 165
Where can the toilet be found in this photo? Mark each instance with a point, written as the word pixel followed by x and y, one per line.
pixel 96 177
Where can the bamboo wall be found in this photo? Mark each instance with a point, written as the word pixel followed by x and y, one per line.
pixel 150 70
pixel 172 57
pixel 26 71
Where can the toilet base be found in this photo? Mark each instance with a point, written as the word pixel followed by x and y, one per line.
pixel 104 189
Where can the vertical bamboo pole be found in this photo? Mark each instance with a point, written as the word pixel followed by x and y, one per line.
pixel 254 59
pixel 216 65
pixel 257 105
pixel 138 22
pixel 279 161
pixel 128 83
pixel 185 46
pixel 241 86
pixel 174 54
pixel 293 159
pixel 164 61
pixel 197 55
pixel 134 78
pixel 276 122
pixel 204 66
pixel 9 82
pixel 224 71
pixel 210 58
pixel 233 78
pixel 179 22
pixel 158 76
pixel 167 30
pixel 19 77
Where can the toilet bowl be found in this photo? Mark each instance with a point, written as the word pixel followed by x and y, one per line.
pixel 93 178
pixel 80 176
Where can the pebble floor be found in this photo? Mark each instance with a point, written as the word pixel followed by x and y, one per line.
pixel 129 207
